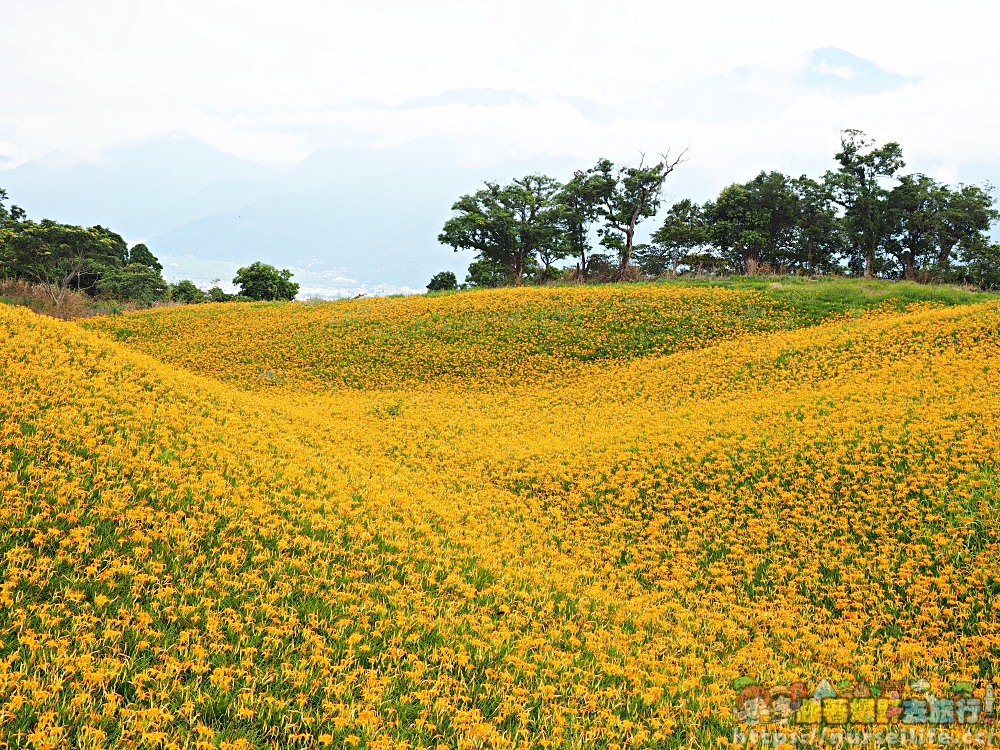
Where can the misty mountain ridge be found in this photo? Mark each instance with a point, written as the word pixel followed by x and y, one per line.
pixel 349 219
pixel 335 219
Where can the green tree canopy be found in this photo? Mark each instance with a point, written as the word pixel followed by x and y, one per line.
pixel 487 274
pixel 59 257
pixel 819 241
pixel 444 281
pixel 140 255
pixel 857 186
pixel 133 282
pixel 13 214
pixel 964 218
pixel 578 209
pixel 260 281
pixel 912 216
pixel 627 195
pixel 185 291
pixel 511 226
pixel 683 232
pixel 754 224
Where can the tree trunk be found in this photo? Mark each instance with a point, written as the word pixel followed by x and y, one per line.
pixel 869 264
pixel 626 255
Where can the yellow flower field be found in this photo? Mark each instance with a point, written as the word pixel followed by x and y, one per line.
pixel 521 519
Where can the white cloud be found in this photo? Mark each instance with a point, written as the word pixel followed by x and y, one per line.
pixel 272 82
pixel 841 71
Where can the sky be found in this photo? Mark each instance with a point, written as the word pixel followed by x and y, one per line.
pixel 743 86
pixel 271 82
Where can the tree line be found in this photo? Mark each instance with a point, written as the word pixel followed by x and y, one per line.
pixel 62 258
pixel 865 217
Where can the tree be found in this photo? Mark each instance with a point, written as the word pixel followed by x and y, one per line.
pixel 627 195
pixel 508 226
pixel 735 225
pixel 983 264
pixel 487 274
pixel 140 254
pixel 578 210
pixel 10 215
pixel 216 294
pixel 857 189
pixel 444 281
pixel 185 291
pixel 819 235
pixel 58 256
pixel 259 281
pixel 964 217
pixel 117 258
pixel 754 224
pixel 133 282
pixel 912 218
pixel 682 233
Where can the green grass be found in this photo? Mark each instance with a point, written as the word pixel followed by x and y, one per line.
pixel 813 300
pixel 494 335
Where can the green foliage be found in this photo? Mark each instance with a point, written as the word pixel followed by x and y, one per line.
pixel 487 274
pixel 260 281
pixel 60 258
pixel 625 196
pixel 216 294
pixel 140 254
pixel 820 240
pixel 857 186
pixel 983 265
pixel 965 216
pixel 185 291
pixel 852 220
pixel 683 232
pixel 444 281
pixel 577 211
pixel 57 256
pixel 509 225
pixel 911 219
pixel 10 215
pixel 133 282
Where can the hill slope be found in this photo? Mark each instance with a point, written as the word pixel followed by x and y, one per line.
pixel 588 558
pixel 493 337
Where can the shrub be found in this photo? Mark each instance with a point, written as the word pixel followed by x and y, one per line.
pixel 443 282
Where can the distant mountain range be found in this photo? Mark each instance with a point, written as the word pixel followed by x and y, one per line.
pixel 366 219
pixel 344 220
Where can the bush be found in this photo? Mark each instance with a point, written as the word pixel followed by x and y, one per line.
pixel 185 291
pixel 38 298
pixel 259 281
pixel 445 281
pixel 487 274
pixel 215 294
pixel 133 282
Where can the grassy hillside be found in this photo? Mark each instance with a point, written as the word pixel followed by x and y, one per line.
pixel 491 337
pixel 585 553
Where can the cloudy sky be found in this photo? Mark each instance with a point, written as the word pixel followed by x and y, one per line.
pixel 271 82
pixel 744 86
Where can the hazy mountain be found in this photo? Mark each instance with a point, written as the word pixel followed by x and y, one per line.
pixel 346 219
pixel 137 189
pixel 362 217
pixel 839 71
pixel 343 219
